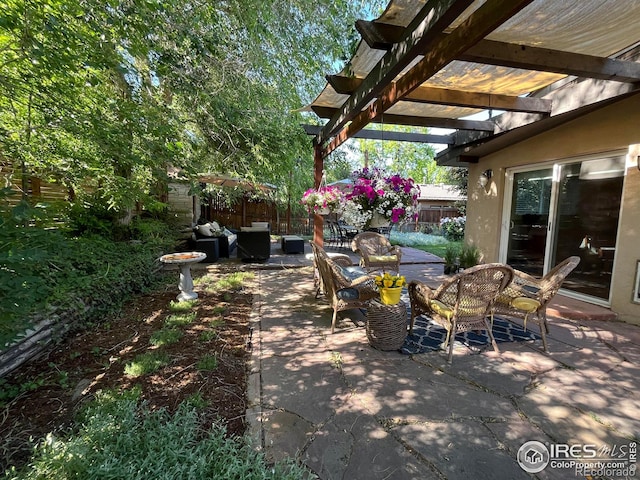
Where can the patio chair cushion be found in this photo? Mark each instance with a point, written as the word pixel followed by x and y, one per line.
pixel 525 303
pixel 348 294
pixel 382 258
pixel 441 309
pixel 352 272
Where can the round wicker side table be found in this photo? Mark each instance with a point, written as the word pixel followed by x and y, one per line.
pixel 386 325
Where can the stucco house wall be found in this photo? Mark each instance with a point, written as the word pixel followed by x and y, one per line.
pixel 613 128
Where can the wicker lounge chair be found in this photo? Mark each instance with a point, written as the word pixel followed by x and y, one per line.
pixel 463 302
pixel 344 287
pixel 376 252
pixel 529 296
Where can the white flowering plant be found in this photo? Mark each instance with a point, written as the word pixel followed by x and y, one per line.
pixel 453 227
pixel 325 197
pixel 392 197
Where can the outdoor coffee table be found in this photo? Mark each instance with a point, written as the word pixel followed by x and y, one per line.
pixel 184 261
pixel 386 325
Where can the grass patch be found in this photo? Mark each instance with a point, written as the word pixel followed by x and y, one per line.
pixel 180 319
pixel 232 281
pixel 208 336
pixel 438 250
pixel 182 307
pixel 119 437
pixel 146 363
pixel 196 401
pixel 165 336
pixel 208 363
pixel 216 322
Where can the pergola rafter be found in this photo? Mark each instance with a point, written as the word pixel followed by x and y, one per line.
pixel 408 120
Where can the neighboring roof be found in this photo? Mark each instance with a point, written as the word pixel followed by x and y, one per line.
pixel 434 63
pixel 441 192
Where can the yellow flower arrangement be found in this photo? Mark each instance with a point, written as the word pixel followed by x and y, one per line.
pixel 390 281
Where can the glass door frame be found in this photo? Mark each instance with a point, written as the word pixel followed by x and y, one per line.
pixel 508 202
pixel 556 165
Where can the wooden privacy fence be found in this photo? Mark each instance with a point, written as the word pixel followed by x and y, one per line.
pixel 433 215
pixel 246 210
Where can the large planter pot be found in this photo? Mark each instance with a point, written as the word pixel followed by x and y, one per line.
pixel 378 221
pixel 390 296
pixel 450 269
pixel 323 211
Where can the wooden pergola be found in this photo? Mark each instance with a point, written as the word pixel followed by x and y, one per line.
pixel 434 63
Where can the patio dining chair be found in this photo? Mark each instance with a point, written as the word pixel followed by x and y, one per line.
pixel 376 252
pixel 343 285
pixel 463 302
pixel 529 296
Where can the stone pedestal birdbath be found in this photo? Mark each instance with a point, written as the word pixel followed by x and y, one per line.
pixel 184 261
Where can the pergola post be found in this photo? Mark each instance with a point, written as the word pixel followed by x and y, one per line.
pixel 318 167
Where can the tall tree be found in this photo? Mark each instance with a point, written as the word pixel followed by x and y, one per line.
pixel 102 96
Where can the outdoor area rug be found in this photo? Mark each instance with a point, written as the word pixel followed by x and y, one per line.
pixel 428 336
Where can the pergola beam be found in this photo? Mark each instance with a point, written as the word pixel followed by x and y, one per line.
pixel 389 135
pixel 415 121
pixel 444 96
pixel 383 36
pixel 430 22
pixel 441 50
pixel 548 60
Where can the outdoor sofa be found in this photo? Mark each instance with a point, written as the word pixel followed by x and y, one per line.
pixel 227 240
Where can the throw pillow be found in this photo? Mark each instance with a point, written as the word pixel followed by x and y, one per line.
pixel 351 273
pixel 204 230
pixel 348 294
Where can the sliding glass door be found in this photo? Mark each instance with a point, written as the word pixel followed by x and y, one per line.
pixel 566 209
pixel 531 199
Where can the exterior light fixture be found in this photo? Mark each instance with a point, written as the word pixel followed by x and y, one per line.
pixel 484 178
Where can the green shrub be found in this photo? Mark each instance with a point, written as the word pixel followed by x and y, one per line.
pixel 46 271
pixel 118 437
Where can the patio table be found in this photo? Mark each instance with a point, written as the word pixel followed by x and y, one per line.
pixel 386 325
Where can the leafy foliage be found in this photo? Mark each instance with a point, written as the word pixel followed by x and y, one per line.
pixel 48 272
pixel 469 255
pixel 414 160
pixel 118 437
pixel 102 100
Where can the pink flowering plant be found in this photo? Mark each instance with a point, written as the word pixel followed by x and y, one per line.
pixel 392 197
pixel 325 197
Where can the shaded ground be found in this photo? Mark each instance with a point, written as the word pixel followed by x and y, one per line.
pixel 58 383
